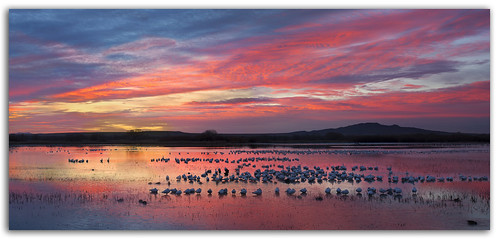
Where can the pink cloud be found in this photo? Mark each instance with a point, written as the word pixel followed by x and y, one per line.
pixel 306 61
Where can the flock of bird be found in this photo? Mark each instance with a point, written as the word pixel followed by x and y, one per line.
pixel 84 160
pixel 226 160
pixel 298 174
pixel 272 173
pixel 290 191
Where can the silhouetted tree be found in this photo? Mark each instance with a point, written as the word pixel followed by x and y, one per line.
pixel 209 135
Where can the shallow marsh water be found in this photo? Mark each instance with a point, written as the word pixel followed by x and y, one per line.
pixel 46 191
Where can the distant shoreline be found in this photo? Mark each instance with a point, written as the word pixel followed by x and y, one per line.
pixel 373 133
pixel 344 145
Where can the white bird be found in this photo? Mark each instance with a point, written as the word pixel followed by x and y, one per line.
pixel 222 191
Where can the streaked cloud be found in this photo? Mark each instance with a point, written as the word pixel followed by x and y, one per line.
pixel 89 70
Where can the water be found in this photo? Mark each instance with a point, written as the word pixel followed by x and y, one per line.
pixel 46 191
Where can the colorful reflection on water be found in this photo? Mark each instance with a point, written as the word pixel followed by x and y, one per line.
pixel 46 191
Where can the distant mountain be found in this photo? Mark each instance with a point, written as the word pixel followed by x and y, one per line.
pixel 364 132
pixel 376 129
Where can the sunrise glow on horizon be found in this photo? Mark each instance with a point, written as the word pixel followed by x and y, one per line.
pixel 248 71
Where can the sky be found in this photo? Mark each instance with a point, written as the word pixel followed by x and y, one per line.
pixel 248 71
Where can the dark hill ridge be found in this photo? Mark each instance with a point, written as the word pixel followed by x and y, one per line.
pixel 376 129
pixel 364 132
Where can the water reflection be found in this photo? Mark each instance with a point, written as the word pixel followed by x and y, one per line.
pixel 45 186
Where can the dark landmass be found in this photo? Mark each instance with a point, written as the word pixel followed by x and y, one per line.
pixel 359 133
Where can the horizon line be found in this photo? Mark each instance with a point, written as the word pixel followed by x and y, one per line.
pixel 138 130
